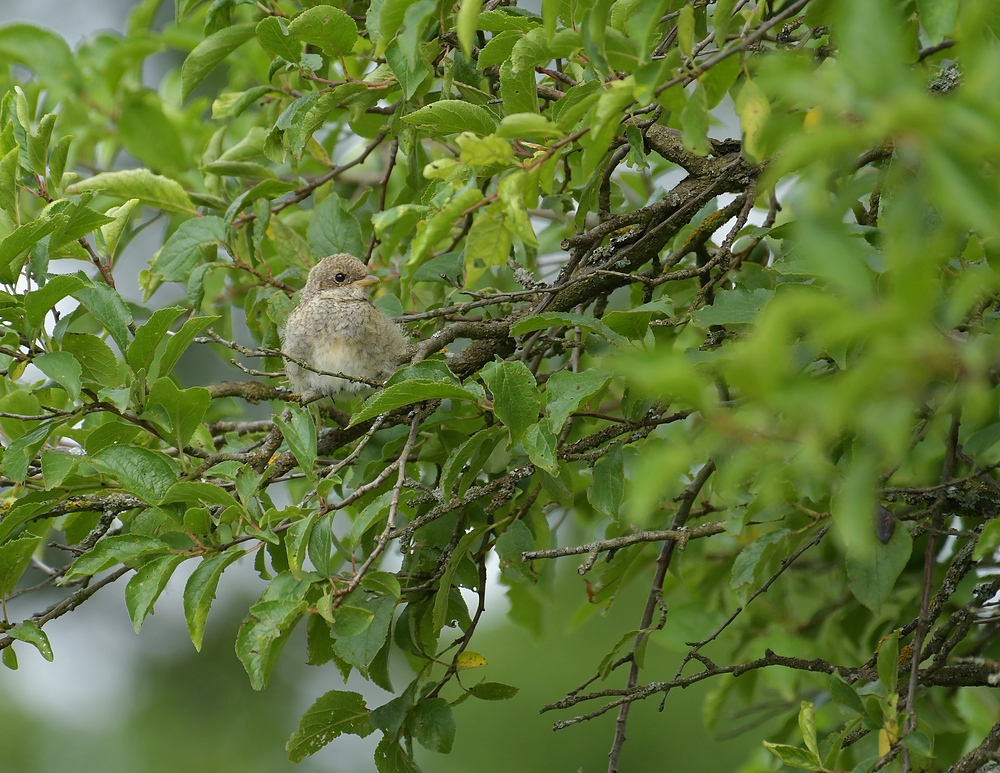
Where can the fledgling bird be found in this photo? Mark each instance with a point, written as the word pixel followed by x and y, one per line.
pixel 337 328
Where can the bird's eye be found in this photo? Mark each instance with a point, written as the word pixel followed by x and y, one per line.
pixel 339 278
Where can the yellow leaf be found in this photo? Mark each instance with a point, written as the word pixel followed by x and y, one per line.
pixel 753 109
pixel 469 659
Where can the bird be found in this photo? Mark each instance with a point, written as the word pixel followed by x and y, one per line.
pixel 336 328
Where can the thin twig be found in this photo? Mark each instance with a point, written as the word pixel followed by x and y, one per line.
pixel 687 499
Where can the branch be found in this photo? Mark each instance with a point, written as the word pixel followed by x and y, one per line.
pixel 681 535
pixel 385 536
pixel 923 621
pixel 71 602
pixel 655 598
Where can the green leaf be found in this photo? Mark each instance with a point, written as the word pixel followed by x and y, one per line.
pixel 152 189
pixel 938 17
pixel 452 116
pixel 15 555
pixel 594 28
pixel 141 472
pixel 28 631
pixel 57 163
pixel 468 15
pixel 887 663
pixel 432 231
pixel 390 17
pixel 753 557
pixel 333 229
pixel 634 323
pixel 753 108
pixel 794 756
pixel 433 725
pixel 382 582
pixel 146 585
pixel 234 104
pixel 244 169
pixel 212 50
pixel 518 90
pixel 576 103
pixel 694 121
pixel 179 342
pixel 484 151
pixel 989 540
pixel 188 492
pixel 8 182
pixel 263 635
pixel 515 395
pixel 333 714
pixel 845 695
pixel 327 27
pixel 360 650
pixel 717 80
pixel 533 49
pixel 505 19
pixel 186 247
pixel 807 726
pixel 521 126
pixel 498 49
pixel 351 621
pixel 62 368
pixel 565 319
pixel 149 134
pixel 373 512
pixel 180 411
pixel 111 233
pixel 296 539
pixel 734 307
pixel 607 118
pixel 510 545
pixel 566 391
pixel 38 144
pixel 82 221
pixel 493 691
pixel 108 308
pixel 100 366
pixel 200 591
pixel 57 466
pixel 410 74
pixel 872 572
pixel 111 551
pixel 14 246
pixel 41 51
pixel 685 29
pixel 407 393
pixel 540 443
pixel 274 37
pixel 149 335
pixel 22 452
pixel 721 20
pixel 607 492
pixel 390 757
pixel 461 456
pixel 487 244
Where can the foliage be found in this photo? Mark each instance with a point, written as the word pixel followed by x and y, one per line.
pixel 624 328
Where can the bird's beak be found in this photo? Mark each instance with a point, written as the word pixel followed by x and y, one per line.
pixel 367 281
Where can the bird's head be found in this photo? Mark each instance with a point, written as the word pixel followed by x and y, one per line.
pixel 342 273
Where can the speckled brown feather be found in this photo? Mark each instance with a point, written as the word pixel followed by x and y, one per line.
pixel 336 328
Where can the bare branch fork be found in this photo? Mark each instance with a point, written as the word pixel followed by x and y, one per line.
pixel 655 599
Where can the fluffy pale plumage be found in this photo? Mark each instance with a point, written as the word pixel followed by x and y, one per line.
pixel 336 328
